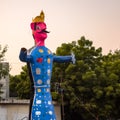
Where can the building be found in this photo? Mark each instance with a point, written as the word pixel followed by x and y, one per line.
pixel 4 82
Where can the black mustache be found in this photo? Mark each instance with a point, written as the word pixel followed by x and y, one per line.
pixel 45 31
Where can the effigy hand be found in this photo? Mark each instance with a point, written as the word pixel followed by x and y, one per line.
pixel 73 57
pixel 24 49
pixel 23 54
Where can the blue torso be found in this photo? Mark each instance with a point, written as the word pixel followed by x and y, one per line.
pixel 41 67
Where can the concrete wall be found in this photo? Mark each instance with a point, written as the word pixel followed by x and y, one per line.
pixel 19 111
pixel 13 112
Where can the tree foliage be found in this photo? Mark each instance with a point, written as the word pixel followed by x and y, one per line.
pixel 92 84
pixel 20 85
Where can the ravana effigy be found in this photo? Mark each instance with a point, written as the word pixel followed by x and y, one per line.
pixel 40 60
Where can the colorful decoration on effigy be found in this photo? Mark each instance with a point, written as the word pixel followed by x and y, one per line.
pixel 39 60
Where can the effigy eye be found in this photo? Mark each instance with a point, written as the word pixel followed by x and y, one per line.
pixel 37 27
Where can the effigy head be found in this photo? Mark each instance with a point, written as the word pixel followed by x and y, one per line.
pixel 39 29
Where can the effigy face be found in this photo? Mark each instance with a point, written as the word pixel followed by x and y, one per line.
pixel 39 31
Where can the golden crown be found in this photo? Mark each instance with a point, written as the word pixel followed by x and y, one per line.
pixel 39 18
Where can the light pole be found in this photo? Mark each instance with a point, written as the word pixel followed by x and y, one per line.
pixel 0 90
pixel 62 99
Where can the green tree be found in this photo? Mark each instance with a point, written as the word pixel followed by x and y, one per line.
pixel 14 80
pixel 92 84
pixel 111 66
pixel 20 84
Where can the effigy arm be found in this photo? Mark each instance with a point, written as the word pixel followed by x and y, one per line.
pixel 23 55
pixel 61 59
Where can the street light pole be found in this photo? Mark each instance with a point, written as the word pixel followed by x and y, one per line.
pixel 62 100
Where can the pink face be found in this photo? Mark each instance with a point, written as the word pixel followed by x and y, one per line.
pixel 39 32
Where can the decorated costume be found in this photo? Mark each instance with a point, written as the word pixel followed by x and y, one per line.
pixel 40 60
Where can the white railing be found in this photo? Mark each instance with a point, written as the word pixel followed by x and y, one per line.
pixel 14 101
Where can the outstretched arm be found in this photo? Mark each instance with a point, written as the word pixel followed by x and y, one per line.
pixel 23 55
pixel 61 59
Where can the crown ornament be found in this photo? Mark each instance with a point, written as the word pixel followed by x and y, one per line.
pixel 39 18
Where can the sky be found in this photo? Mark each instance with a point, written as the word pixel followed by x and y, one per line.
pixel 67 21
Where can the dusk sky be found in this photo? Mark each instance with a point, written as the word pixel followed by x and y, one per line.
pixel 67 21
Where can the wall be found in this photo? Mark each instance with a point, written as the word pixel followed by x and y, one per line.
pixel 19 111
pixel 13 112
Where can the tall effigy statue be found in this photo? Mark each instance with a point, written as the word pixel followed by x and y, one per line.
pixel 40 60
